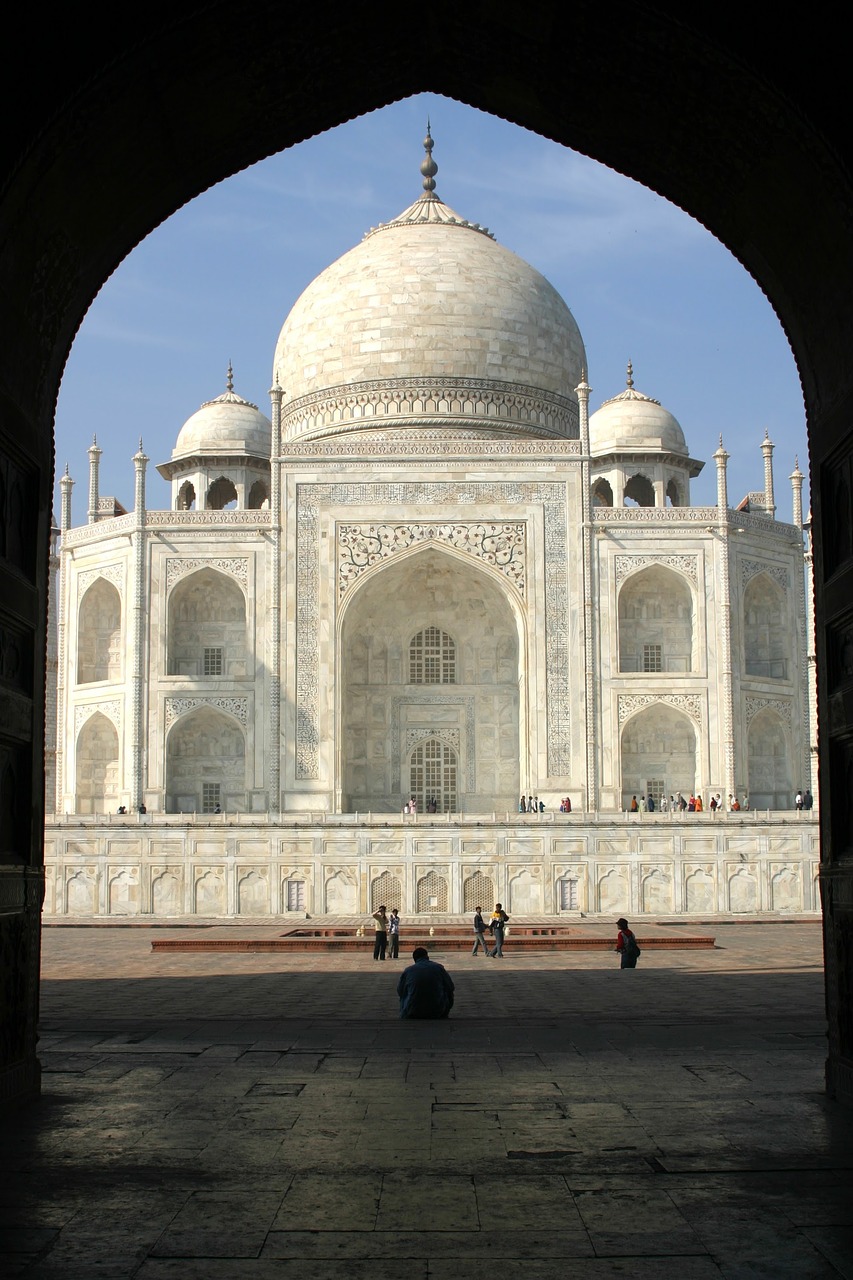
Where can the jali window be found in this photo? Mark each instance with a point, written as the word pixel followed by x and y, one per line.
pixel 432 657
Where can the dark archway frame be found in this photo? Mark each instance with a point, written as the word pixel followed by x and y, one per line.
pixel 118 124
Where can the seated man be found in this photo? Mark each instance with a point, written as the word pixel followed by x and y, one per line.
pixel 425 988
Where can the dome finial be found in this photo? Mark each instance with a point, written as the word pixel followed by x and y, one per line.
pixel 230 382
pixel 428 167
pixel 629 380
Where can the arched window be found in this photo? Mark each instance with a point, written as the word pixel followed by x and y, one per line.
pixel 602 494
pixel 673 494
pixel 221 494
pixel 432 657
pixel 259 497
pixel 186 497
pixel 640 491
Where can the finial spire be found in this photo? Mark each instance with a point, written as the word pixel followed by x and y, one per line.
pixel 230 381
pixel 428 167
pixel 629 380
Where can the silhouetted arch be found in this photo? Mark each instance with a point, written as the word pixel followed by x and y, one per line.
pixel 186 497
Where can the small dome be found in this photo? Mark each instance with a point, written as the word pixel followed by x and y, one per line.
pixel 227 425
pixel 634 423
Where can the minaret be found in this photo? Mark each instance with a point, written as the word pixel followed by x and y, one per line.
pixel 769 500
pixel 797 479
pixel 274 775
pixel 721 458
pixel 66 484
pixel 584 391
pixel 94 464
pixel 137 711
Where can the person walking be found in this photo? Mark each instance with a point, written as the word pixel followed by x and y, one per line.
pixel 394 934
pixel 626 945
pixel 497 924
pixel 380 941
pixel 479 933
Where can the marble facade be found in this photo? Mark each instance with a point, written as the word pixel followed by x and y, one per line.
pixel 432 572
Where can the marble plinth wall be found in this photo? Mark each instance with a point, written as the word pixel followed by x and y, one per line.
pixel 244 868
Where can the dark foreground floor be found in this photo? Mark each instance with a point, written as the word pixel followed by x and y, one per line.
pixel 215 1117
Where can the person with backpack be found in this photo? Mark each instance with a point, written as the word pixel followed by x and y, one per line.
pixel 498 924
pixel 626 945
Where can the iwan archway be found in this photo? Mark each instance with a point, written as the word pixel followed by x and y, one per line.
pixel 76 198
pixel 431 651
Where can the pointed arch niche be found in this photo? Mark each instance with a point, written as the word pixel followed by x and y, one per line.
pixel 385 715
pixel 99 634
pixel 658 746
pixel 97 766
pixel 205 763
pixel 656 611
pixel 765 629
pixel 769 762
pixel 207 628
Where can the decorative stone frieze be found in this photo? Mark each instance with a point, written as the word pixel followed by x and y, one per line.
pixel 688 565
pixel 750 568
pixel 236 707
pixel 450 736
pixel 113 573
pixel 111 709
pixel 500 545
pixel 781 706
pixel 455 451
pixel 446 403
pixel 689 703
pixel 234 566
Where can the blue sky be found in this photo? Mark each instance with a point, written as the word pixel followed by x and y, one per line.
pixel 644 281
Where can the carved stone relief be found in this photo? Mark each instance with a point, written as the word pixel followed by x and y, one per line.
pixel 501 545
pixel 688 565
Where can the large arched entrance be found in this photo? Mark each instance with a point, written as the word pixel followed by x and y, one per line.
pixel 76 198
pixel 429 661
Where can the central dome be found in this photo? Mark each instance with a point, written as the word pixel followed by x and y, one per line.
pixel 429 322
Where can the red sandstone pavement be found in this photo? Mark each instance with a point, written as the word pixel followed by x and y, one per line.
pixel 221 1116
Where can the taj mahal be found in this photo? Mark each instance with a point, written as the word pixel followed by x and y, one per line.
pixel 433 570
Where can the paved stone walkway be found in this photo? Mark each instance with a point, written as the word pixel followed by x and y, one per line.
pixel 221 1116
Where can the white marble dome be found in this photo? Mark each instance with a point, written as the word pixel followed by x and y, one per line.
pixel 226 426
pixel 634 423
pixel 429 300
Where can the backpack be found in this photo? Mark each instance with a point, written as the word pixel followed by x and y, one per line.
pixel 631 948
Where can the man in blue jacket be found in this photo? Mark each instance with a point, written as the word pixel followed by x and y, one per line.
pixel 425 988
